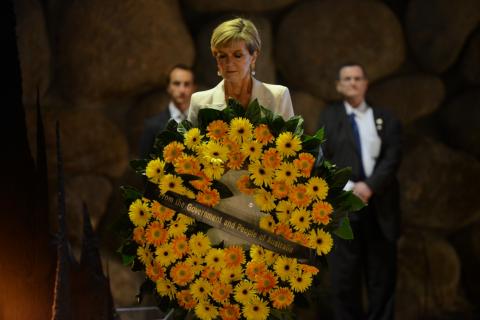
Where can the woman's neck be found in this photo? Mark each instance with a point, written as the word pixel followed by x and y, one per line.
pixel 241 91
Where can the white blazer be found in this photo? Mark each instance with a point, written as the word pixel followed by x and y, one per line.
pixel 271 96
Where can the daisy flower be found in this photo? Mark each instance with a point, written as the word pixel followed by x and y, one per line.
pixel 199 244
pixel 287 172
pixel 235 160
pixel 193 138
pixel 172 151
pixel 252 149
pixel 200 289
pixel 264 200
pixel 215 258
pixel 299 196
pixel 240 130
pixel 208 197
pixel 180 246
pixel 285 267
pixel 280 189
pixel 267 223
pixel 234 256
pixel 254 268
pixel 186 164
pixel 321 241
pixel 284 210
pixel 304 164
pixel 139 213
pixel 217 129
pixel 281 298
pixel 271 158
pixel 244 292
pixel 166 288
pixel 300 219
pixel 259 174
pixel 230 312
pixel 155 271
pixel 262 134
pixel 321 212
pixel 256 309
pixel 156 234
pixel 155 170
pixel 214 152
pixel 288 144
pixel 243 185
pixel 231 274
pixel 300 281
pixel 161 213
pixel 181 273
pixel 221 292
pixel 265 282
pixel 171 183
pixel 186 300
pixel 165 255
pixel 206 311
pixel 144 255
pixel 317 188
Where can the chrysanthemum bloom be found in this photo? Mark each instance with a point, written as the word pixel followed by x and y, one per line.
pixel 193 138
pixel 230 312
pixel 214 152
pixel 300 281
pixel 230 144
pixel 202 182
pixel 199 244
pixel 172 151
pixel 264 200
pixel 139 213
pixel 288 144
pixel 213 170
pixel 208 197
pixel 161 213
pixel 211 274
pixel 217 129
pixel 215 258
pixel 155 170
pixel 181 273
pixel 257 253
pixel 304 164
pixel 171 183
pixel 287 172
pixel 186 164
pixel 270 257
pixel 234 256
pixel 177 228
pixel 156 234
pixel 300 219
pixel 281 298
pixel 221 292
pixel 144 255
pixel 196 262
pixel 299 196
pixel 139 235
pixel 321 212
pixel 244 291
pixel 186 300
pixel 240 130
pixel 317 188
pixel 282 229
pixel 154 271
pixel 200 289
pixel 267 223
pixel 254 268
pixel 308 269
pixel 180 246
pixel 165 255
pixel 206 311
pixel 271 158
pixel 256 309
pixel 284 210
pixel 321 241
pixel 243 185
pixel 265 282
pixel 166 288
pixel 235 160
pixel 259 174
pixel 252 149
pixel 231 274
pixel 262 134
pixel 285 267
pixel 280 189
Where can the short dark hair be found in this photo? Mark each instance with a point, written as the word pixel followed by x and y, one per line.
pixel 180 66
pixel 351 64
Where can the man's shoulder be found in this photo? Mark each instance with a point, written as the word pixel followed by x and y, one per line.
pixel 158 119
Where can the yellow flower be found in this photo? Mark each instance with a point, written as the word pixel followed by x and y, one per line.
pixel 171 183
pixel 165 255
pixel 252 149
pixel 288 144
pixel 217 129
pixel 166 288
pixel 267 223
pixel 262 134
pixel 214 152
pixel 177 228
pixel 139 213
pixel 264 200
pixel 231 274
pixel 300 281
pixel 259 174
pixel 234 256
pixel 321 212
pixel 186 300
pixel 181 273
pixel 193 138
pixel 256 309
pixel 240 130
pixel 156 234
pixel 196 262
pixel 285 267
pixel 270 257
pixel 213 170
pixel 206 311
pixel 144 255
pixel 215 258
pixel 287 172
pixel 186 164
pixel 172 151
pixel 304 164
pixel 185 219
pixel 244 292
pixel 200 289
pixel 300 219
pixel 321 241
pixel 155 170
pixel 281 298
pixel 230 312
pixel 284 210
pixel 221 292
pixel 199 244
pixel 257 253
pixel 317 187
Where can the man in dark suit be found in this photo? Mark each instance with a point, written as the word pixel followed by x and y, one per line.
pixel 180 86
pixel 368 140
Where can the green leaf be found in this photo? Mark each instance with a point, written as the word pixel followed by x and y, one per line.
pixel 340 178
pixel 277 124
pixel 184 126
pixel 127 260
pixel 344 230
pixel 222 189
pixel 207 115
pixel 267 115
pixel 164 138
pixel 171 125
pixel 295 125
pixel 253 112
pixel 237 110
pixel 347 201
pixel 139 165
pixel 130 194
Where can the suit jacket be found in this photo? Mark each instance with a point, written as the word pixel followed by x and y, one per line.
pixel 340 149
pixel 273 97
pixel 152 126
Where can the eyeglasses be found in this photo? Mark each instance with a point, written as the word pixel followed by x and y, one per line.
pixel 356 79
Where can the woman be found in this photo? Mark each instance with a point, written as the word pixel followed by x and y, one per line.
pixel 235 44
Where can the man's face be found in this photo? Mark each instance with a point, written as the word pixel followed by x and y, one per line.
pixel 181 88
pixel 352 83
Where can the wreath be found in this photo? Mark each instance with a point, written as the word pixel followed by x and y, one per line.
pixel 299 194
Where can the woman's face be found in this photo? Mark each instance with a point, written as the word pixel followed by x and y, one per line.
pixel 234 61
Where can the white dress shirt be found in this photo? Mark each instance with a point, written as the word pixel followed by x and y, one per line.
pixel 175 113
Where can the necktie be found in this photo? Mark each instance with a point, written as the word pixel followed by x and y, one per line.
pixel 358 142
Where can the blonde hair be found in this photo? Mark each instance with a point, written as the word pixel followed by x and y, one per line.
pixel 238 29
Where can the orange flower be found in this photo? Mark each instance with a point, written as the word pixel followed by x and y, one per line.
pixel 186 300
pixel 211 274
pixel 230 144
pixel 321 212
pixel 281 298
pixel 243 185
pixel 180 246
pixel 139 235
pixel 262 134
pixel 230 312
pixel 234 256
pixel 265 282
pixel 217 129
pixel 304 163
pixel 208 197
pixel 235 160
pixel 186 164
pixel 202 183
pixel 284 230
pixel 280 189
pixel 162 213
pixel 271 158
pixel 301 238
pixel 221 292
pixel 155 272
pixel 308 269
pixel 255 268
pixel 181 273
pixel 172 151
pixel 156 234
pixel 298 195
